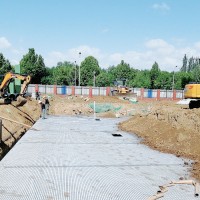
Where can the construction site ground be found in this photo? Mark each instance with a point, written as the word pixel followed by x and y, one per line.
pixel 79 157
pixel 162 125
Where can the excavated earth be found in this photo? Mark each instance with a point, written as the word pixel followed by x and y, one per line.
pixel 15 122
pixel 163 125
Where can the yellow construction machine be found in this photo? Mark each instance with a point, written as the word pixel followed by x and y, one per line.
pixel 192 92
pixel 16 99
pixel 121 88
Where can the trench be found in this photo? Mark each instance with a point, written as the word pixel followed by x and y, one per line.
pixel 9 142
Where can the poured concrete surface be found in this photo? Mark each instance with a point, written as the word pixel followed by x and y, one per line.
pixel 78 158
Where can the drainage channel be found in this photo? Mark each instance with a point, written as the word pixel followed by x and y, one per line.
pixel 67 160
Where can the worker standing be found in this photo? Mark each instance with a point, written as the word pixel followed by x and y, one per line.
pixel 47 104
pixel 37 95
pixel 43 110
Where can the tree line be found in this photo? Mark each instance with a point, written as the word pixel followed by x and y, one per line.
pixel 67 73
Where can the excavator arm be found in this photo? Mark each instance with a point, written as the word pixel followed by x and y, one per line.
pixel 24 86
pixel 8 78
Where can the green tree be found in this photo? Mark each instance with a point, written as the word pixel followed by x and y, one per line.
pixel 33 64
pixel 181 79
pixel 196 74
pixel 190 64
pixel 131 76
pixel 184 67
pixel 5 65
pixel 121 71
pixel 104 79
pixel 164 80
pixel 154 73
pixel 141 79
pixel 48 78
pixel 87 69
pixel 196 63
pixel 63 73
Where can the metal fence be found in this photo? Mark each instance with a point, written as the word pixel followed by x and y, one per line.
pixel 102 91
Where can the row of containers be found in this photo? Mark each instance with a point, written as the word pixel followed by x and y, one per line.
pixel 140 93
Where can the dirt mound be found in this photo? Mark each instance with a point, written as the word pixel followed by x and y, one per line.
pixel 170 129
pixel 79 105
pixel 11 130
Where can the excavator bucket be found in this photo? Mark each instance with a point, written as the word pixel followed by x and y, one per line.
pixel 20 101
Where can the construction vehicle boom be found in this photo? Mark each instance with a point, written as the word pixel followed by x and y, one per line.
pixel 19 97
pixel 192 92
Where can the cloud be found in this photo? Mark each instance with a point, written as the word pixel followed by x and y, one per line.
pixel 75 54
pixel 4 43
pixel 156 43
pixel 197 45
pixel 161 7
pixel 57 55
pixel 160 46
pixel 157 50
pixel 166 54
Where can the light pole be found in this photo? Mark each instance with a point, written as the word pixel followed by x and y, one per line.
pixel 173 80
pixel 75 74
pixel 79 71
pixel 94 79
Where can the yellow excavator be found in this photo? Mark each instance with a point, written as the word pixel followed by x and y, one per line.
pixel 16 99
pixel 192 92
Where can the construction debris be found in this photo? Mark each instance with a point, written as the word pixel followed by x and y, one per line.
pixel 164 188
pixel 86 99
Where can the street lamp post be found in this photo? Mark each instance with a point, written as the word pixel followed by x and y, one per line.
pixel 79 72
pixel 75 74
pixel 94 78
pixel 173 80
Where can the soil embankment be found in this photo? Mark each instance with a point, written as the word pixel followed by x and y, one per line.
pixel 13 131
pixel 169 128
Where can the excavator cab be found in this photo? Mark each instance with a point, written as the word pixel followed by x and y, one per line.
pixel 17 99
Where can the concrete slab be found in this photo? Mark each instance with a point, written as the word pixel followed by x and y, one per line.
pixel 78 158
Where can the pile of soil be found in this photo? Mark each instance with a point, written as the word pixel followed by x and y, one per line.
pixel 15 122
pixel 163 125
pixel 79 105
pixel 169 128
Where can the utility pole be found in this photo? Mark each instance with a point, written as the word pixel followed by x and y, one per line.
pixel 75 74
pixel 79 71
pixel 173 80
pixel 94 78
